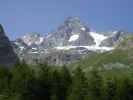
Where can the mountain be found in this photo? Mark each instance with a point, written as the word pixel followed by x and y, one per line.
pixel 71 41
pixel 126 43
pixel 71 33
pixel 121 58
pixel 7 56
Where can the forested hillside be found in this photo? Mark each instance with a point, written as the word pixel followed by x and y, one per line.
pixel 58 83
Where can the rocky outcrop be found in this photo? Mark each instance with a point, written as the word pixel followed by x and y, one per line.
pixel 113 38
pixel 71 41
pixel 126 43
pixel 7 56
pixel 72 32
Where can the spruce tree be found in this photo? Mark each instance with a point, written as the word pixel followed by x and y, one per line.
pixel 65 82
pixel 111 90
pixel 127 89
pixel 42 85
pixel 79 87
pixel 95 85
pixel 5 78
pixel 56 83
pixel 22 81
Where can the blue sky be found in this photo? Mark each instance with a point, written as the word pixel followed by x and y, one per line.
pixel 23 16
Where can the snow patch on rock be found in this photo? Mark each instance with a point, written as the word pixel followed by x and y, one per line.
pixel 41 39
pixel 21 48
pixel 83 28
pixel 98 38
pixel 90 48
pixel 73 38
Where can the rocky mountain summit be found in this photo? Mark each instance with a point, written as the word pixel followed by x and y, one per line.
pixel 70 42
pixel 7 55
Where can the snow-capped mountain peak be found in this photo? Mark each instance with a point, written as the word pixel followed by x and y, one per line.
pixel 97 37
pixel 73 36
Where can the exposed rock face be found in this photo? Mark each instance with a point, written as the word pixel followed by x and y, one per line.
pixel 72 32
pixel 33 47
pixel 126 43
pixel 115 37
pixel 7 56
pixel 61 57
pixel 71 41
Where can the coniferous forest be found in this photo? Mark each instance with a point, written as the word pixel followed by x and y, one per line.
pixel 23 82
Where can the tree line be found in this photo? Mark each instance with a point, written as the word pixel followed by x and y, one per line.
pixel 23 82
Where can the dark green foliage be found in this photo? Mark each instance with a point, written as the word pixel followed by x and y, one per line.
pixel 24 82
pixel 95 85
pixel 127 89
pixel 42 83
pixel 4 82
pixel 111 89
pixel 61 81
pixel 79 87
pixel 56 86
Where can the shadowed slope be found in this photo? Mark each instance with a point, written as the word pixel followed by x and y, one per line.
pixel 7 55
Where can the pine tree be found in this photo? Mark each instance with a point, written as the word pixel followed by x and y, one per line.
pixel 65 82
pixel 111 90
pixel 56 83
pixel 22 81
pixel 95 86
pixel 42 86
pixel 4 82
pixel 127 89
pixel 61 81
pixel 79 87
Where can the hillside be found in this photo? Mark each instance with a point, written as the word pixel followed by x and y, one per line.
pixel 7 56
pixel 91 72
pixel 116 62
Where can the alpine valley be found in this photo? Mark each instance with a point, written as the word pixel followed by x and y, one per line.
pixel 72 63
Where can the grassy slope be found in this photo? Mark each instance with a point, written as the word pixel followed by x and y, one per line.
pixel 116 58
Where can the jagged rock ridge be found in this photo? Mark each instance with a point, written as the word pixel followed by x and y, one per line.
pixel 7 55
pixel 71 41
